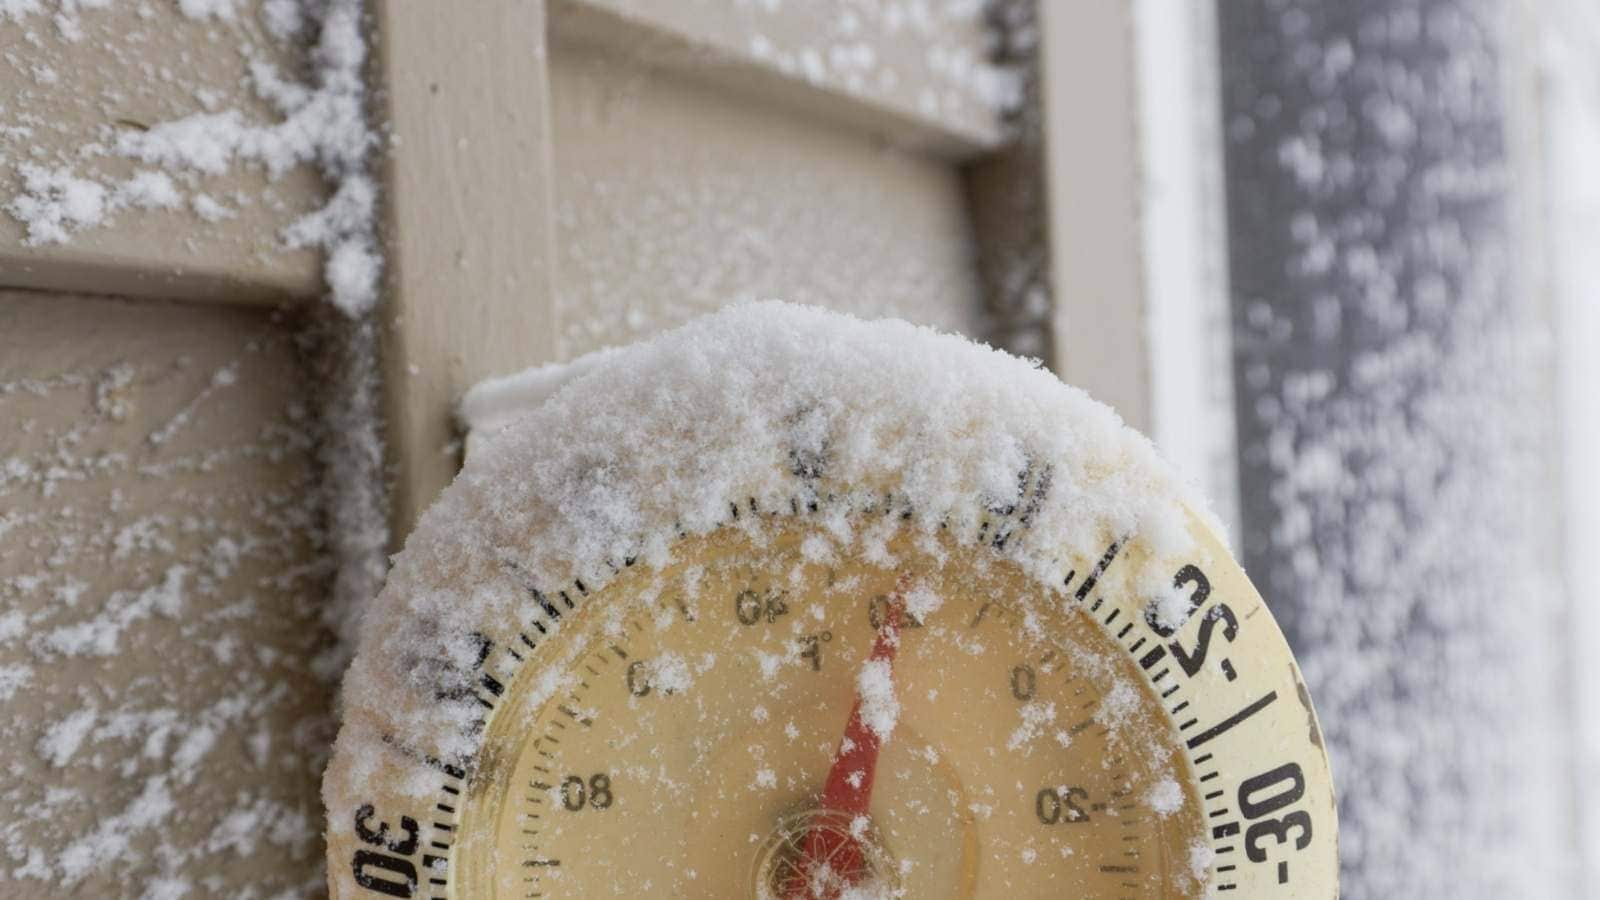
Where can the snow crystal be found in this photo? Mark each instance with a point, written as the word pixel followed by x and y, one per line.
pixel 1165 797
pixel 283 18
pixel 111 838
pixel 880 709
pixel 14 677
pixel 195 745
pixel 922 602
pixel 816 549
pixel 54 203
pixel 205 142
pixel 101 635
pixel 64 738
pixel 1201 856
pixel 1170 608
pixel 1036 715
pixel 1119 705
pixel 352 272
pixel 15 10
pixel 208 208
pixel 149 190
pixel 12 626
pixel 670 673
pixel 206 9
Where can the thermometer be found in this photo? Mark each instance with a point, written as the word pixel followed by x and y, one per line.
pixel 820 688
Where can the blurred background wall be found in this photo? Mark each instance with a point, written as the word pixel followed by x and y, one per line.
pixel 1410 212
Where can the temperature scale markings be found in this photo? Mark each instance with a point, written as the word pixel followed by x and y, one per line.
pixel 545 604
pixel 1147 662
pixel 1099 569
pixel 1222 727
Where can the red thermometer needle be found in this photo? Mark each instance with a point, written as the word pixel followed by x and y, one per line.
pixel 848 791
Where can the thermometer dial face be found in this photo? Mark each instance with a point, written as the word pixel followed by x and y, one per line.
pixel 769 718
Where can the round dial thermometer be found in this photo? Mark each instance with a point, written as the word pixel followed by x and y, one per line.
pixel 787 605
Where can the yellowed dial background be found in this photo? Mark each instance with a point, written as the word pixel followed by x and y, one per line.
pixel 709 698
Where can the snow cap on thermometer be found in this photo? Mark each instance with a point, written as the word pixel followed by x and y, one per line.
pixel 759 408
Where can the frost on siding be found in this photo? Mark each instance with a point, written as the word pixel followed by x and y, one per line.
pixel 1008 198
pixel 343 359
pixel 165 676
pixel 682 190
pixel 900 59
pixel 1391 409
pixel 222 108
pixel 154 121
pixel 738 201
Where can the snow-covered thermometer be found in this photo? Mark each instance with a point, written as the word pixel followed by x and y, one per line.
pixel 784 604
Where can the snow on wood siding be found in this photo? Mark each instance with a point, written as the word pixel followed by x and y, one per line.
pixel 164 673
pixel 80 79
pixel 673 199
